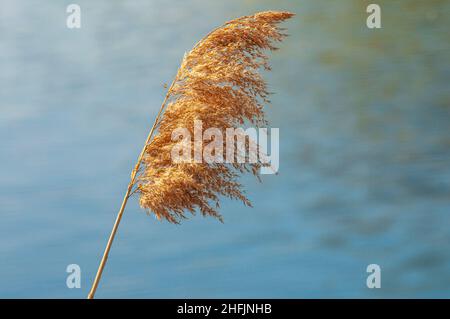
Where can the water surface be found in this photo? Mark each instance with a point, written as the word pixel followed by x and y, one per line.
pixel 365 153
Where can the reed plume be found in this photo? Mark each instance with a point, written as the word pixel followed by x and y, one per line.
pixel 218 83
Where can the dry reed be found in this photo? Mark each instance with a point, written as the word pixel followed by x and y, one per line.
pixel 218 83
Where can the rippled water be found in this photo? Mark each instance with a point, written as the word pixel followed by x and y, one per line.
pixel 365 153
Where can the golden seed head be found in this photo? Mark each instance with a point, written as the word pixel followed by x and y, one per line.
pixel 218 83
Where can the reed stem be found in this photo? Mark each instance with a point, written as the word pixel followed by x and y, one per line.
pixel 125 198
pixel 134 174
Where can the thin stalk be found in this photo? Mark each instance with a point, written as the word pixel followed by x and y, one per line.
pixel 125 198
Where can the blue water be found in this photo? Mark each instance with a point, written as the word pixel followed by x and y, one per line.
pixel 364 153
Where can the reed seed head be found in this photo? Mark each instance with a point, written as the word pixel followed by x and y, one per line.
pixel 219 84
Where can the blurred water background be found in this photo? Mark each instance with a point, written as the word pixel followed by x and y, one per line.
pixel 365 153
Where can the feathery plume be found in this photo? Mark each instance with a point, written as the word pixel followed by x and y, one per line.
pixel 217 83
